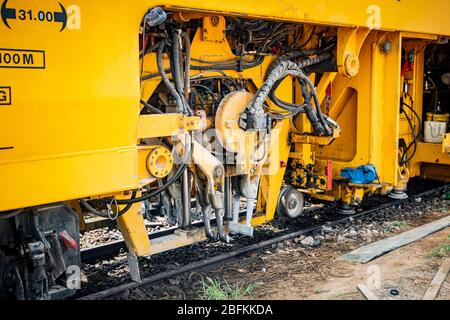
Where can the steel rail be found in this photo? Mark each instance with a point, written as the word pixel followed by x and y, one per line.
pixel 105 250
pixel 238 252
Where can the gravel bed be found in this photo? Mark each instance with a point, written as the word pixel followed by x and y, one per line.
pixel 104 235
pixel 104 274
pixel 345 237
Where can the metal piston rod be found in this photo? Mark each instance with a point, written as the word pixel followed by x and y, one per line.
pixel 186 198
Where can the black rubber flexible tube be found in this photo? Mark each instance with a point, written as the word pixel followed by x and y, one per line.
pixel 284 69
pixel 176 59
pixel 291 107
pixel 187 65
pixel 177 67
pixel 304 63
pixel 91 209
pixel 214 66
pixel 316 102
pixel 417 116
pixel 301 64
pixel 404 159
pixel 310 113
pixel 162 72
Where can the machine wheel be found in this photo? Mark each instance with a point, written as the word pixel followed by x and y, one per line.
pixel 290 203
pixel 345 209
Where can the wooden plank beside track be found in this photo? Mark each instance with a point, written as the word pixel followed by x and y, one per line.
pixel 366 292
pixel 378 248
pixel 437 281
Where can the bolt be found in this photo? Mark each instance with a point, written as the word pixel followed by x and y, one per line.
pixel 215 21
pixel 292 204
pixel 387 47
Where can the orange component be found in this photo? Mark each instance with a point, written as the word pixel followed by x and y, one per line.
pixel 329 174
pixel 69 242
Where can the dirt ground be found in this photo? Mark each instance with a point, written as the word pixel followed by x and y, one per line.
pixel 294 272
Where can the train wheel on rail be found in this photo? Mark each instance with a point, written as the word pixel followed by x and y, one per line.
pixel 290 202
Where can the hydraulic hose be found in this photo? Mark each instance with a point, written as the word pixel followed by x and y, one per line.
pixel 281 71
pixel 416 135
pixel 187 65
pixel 91 209
pixel 291 107
pixel 302 76
pixel 414 143
pixel 417 116
pixel 176 59
pixel 177 67
pixel 301 64
pixel 312 117
pixel 162 72
pixel 304 108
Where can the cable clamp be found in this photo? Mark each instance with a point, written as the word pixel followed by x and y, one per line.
pixel 111 214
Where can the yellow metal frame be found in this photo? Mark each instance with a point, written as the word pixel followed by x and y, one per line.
pixel 73 125
pixel 58 144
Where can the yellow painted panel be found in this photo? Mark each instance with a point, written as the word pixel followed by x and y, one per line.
pixel 78 107
pixel 132 226
pixel 30 183
pixel 431 153
pixel 164 125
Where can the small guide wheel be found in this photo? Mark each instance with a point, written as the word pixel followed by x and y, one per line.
pixel 290 203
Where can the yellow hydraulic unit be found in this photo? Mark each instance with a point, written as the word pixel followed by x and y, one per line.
pixel 244 110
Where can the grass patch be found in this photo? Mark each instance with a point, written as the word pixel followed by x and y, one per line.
pixel 443 250
pixel 213 289
pixel 400 224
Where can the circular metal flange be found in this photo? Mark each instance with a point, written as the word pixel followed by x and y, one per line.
pixel 160 162
pixel 397 194
pixel 229 133
pixel 351 65
pixel 290 202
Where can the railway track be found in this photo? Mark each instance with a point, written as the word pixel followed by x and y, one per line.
pixel 232 255
pixel 109 249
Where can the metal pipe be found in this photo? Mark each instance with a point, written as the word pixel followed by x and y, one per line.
pixel 11 214
pixel 169 85
pixel 219 219
pixel 228 198
pixel 249 213
pixel 206 210
pixel 186 200
pixel 236 205
pixel 187 71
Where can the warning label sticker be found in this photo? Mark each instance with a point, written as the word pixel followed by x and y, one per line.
pixel 5 96
pixel 19 58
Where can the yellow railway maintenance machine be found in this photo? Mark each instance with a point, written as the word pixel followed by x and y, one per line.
pixel 108 107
